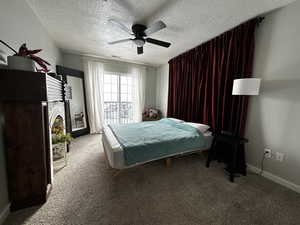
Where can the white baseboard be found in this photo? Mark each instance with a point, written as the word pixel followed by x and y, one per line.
pixel 4 213
pixel 275 178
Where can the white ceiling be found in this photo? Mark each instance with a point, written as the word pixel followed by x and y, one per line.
pixel 81 26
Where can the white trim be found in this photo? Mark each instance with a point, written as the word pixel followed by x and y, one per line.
pixel 5 212
pixel 275 178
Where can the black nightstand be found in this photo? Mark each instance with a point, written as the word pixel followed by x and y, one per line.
pixel 236 152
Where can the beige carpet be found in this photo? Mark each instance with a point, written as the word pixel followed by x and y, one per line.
pixel 88 192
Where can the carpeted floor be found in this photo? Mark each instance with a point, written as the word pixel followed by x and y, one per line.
pixel 88 192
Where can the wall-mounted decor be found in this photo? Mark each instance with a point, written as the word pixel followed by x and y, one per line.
pixel 25 59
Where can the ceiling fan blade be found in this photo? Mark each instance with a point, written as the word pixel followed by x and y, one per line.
pixel 140 50
pixel 158 42
pixel 120 25
pixel 119 41
pixel 155 27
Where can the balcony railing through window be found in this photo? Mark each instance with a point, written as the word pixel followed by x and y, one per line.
pixel 118 98
pixel 118 112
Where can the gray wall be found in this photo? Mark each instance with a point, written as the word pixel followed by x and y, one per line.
pixel 274 115
pixel 162 87
pixel 18 25
pixel 150 92
pixel 75 61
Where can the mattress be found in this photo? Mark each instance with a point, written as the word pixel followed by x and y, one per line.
pixel 115 153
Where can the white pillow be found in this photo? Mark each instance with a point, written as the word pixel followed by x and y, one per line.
pixel 176 120
pixel 201 127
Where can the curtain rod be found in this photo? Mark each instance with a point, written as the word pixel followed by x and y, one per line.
pixel 260 20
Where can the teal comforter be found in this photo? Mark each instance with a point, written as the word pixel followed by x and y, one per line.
pixel 152 140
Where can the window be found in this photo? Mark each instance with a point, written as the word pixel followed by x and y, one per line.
pixel 118 98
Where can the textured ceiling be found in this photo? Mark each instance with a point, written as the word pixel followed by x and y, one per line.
pixel 81 26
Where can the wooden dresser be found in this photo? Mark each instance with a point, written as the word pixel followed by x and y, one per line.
pixel 24 98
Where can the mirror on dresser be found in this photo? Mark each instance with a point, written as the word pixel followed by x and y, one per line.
pixel 76 111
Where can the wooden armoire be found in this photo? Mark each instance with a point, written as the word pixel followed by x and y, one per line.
pixel 24 99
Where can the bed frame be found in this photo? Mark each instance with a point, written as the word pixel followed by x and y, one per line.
pixel 168 160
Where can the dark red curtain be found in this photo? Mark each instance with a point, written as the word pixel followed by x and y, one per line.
pixel 201 80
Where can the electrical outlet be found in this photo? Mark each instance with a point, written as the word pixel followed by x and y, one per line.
pixel 279 156
pixel 268 153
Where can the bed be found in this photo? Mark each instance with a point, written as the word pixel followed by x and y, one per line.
pixel 134 144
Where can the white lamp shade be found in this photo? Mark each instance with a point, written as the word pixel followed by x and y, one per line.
pixel 246 86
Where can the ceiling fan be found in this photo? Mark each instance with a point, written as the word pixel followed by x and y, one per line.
pixel 141 33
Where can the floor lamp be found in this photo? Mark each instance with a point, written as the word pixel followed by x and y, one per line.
pixel 245 87
pixel 236 162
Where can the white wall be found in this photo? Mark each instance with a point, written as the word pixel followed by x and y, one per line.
pixel 162 87
pixel 20 25
pixel 273 119
pixel 76 62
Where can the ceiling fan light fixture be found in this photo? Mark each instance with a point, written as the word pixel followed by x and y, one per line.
pixel 141 34
pixel 139 42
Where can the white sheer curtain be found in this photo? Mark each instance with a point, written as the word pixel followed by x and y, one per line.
pixel 138 74
pixel 94 75
pixel 94 82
